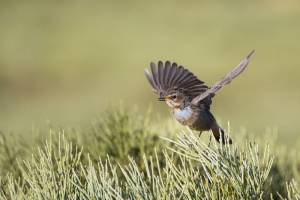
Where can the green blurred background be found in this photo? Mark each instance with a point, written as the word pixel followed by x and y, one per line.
pixel 66 61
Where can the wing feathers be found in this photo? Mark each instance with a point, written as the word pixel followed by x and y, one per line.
pixel 166 73
pixel 184 77
pixel 161 74
pixel 226 80
pixel 154 73
pixel 167 77
pixel 150 79
pixel 178 74
pixel 172 74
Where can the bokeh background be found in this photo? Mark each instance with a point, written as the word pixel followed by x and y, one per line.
pixel 66 61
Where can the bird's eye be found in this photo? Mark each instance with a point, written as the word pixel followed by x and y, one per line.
pixel 173 96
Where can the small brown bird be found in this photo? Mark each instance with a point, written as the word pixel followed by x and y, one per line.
pixel 188 97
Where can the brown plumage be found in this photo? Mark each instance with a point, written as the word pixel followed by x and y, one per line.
pixel 166 77
pixel 188 96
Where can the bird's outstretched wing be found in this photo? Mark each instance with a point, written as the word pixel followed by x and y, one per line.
pixel 167 77
pixel 224 81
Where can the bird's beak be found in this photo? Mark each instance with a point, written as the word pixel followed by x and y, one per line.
pixel 161 99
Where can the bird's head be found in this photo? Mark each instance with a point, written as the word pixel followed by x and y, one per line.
pixel 173 99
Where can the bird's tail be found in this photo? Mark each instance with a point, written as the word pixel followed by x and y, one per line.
pixel 219 134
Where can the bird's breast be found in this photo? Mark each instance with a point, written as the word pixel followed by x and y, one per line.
pixel 185 116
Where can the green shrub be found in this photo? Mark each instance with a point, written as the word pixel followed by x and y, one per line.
pixel 123 156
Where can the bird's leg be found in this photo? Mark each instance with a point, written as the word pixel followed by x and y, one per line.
pixel 200 133
pixel 209 141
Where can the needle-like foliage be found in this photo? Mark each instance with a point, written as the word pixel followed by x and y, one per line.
pixel 183 167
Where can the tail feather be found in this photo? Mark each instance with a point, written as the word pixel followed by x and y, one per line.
pixel 219 134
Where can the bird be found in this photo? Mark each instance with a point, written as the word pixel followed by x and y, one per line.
pixel 188 97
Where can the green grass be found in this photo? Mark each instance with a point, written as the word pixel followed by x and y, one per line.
pixel 64 61
pixel 125 155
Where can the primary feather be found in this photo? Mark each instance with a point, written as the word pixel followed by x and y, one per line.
pixel 167 77
pixel 226 80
